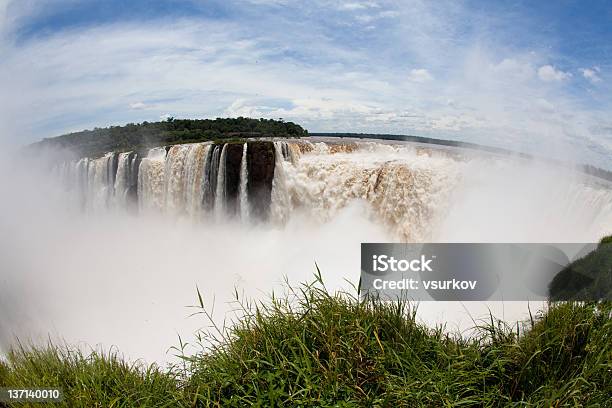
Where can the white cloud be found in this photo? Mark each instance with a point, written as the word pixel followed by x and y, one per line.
pixel 370 17
pixel 544 105
pixel 358 5
pixel 14 12
pixel 420 75
pixel 482 92
pixel 302 108
pixel 138 105
pixel 591 74
pixel 6 19
pixel 549 73
pixel 456 122
pixel 268 2
pixel 515 69
pixel 3 6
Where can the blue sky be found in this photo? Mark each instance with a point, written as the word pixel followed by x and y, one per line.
pixel 532 76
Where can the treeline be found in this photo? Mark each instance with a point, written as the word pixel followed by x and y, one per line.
pixel 423 139
pixel 140 136
pixel 597 172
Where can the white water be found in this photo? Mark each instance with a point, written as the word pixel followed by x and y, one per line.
pixel 280 199
pixel 220 193
pixel 406 191
pixel 432 195
pixel 151 180
pixel 243 188
pixel 121 181
pixel 194 180
pixel 110 278
pixel 175 178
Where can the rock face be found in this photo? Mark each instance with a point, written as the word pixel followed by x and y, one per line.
pixel 133 164
pixel 260 168
pixel 260 165
pixel 181 179
pixel 232 176
pixel 112 169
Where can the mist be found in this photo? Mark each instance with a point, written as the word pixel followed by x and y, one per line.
pixel 114 279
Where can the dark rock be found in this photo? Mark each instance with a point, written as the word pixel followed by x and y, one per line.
pixel 134 160
pixel 210 177
pixel 260 165
pixel 233 161
pixel 113 164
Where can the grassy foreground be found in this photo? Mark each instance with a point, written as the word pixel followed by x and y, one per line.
pixel 315 349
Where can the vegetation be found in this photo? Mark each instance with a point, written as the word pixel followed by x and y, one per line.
pixel 312 348
pixel 589 277
pixel 94 380
pixel 144 135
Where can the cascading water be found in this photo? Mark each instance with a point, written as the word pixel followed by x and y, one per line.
pixel 126 181
pixel 75 179
pixel 415 192
pixel 405 191
pixel 121 181
pixel 194 181
pixel 243 188
pixel 151 181
pixel 332 196
pixel 221 188
pixel 280 199
pixel 174 178
pixel 210 178
pixel 100 182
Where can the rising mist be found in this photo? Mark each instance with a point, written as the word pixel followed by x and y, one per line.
pixel 114 277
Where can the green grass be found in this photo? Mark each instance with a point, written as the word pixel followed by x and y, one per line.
pixel 313 348
pixel 91 380
pixel 335 350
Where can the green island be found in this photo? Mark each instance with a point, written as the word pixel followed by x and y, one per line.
pixel 141 136
pixel 316 349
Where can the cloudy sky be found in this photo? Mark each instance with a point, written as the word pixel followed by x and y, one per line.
pixel 532 76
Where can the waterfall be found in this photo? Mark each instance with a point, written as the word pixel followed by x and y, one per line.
pixel 205 178
pixel 210 178
pixel 402 191
pixel 280 199
pixel 409 190
pixel 134 165
pixel 100 182
pixel 174 176
pixel 220 190
pixel 111 172
pixel 243 189
pixel 126 181
pixel 122 180
pixel 195 166
pixel 80 179
pixel 151 180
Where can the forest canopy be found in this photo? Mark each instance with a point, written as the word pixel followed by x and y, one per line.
pixel 140 136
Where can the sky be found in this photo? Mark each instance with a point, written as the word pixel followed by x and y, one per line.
pixel 529 76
